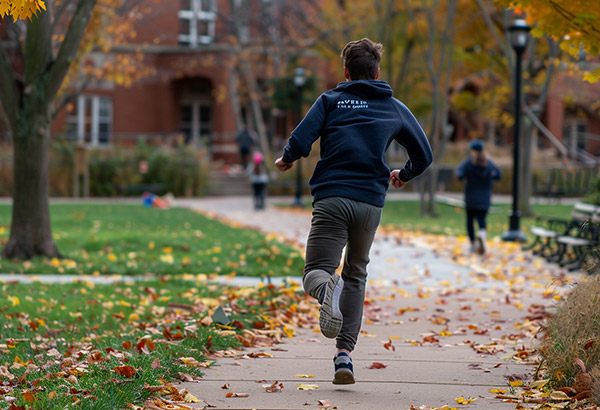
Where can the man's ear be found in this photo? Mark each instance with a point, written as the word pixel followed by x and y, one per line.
pixel 377 75
pixel 347 74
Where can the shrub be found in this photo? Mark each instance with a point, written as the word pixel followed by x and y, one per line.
pixel 573 332
pixel 594 196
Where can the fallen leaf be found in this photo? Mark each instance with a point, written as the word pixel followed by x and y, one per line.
pixel 377 365
pixel 389 345
pixel 225 386
pixel 308 387
pixel 462 400
pixel 126 371
pixel 230 394
pixel 155 363
pixel 305 376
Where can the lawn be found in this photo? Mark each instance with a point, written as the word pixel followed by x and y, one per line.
pixel 81 345
pixel 451 220
pixel 131 239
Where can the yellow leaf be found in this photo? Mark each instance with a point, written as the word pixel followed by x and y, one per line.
pixel 462 400
pixel 14 300
pixel 308 387
pixel 190 398
pixel 112 257
pixel 559 396
pixel 516 383
pixel 288 331
pixel 167 249
pixel 151 245
pixel 305 376
pixel 444 333
pixel 500 391
pixel 19 361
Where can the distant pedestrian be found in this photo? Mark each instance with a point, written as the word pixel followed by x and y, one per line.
pixel 479 171
pixel 356 123
pixel 259 176
pixel 245 142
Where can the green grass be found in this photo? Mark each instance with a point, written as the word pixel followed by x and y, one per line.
pixel 95 329
pixel 451 220
pixel 131 239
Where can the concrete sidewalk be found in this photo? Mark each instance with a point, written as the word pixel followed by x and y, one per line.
pixel 450 319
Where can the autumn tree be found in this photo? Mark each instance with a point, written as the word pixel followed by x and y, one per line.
pixel 41 68
pixel 574 24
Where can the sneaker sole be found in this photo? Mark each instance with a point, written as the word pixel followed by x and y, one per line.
pixel 330 318
pixel 343 376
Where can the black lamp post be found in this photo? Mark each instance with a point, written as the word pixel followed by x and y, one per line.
pixel 299 83
pixel 519 32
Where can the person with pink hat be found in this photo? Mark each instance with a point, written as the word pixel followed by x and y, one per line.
pixel 259 176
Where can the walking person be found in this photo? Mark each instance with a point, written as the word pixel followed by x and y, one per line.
pixel 259 177
pixel 245 141
pixel 356 122
pixel 479 171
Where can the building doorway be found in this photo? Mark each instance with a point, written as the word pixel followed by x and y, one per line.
pixel 196 122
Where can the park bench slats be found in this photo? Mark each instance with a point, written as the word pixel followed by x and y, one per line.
pixel 568 242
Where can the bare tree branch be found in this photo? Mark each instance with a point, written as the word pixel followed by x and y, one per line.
pixel 38 48
pixel 69 47
pixel 69 97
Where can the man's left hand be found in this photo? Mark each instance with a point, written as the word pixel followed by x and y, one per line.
pixel 395 179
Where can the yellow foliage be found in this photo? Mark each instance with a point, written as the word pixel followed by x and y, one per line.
pixel 21 9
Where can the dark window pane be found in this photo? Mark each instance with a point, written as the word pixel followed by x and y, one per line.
pixel 203 28
pixel 184 26
pixel 186 113
pixel 104 133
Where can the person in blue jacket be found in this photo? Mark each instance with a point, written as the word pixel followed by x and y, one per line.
pixel 356 123
pixel 479 171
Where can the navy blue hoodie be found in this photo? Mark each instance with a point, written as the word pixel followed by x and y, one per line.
pixel 478 190
pixel 357 121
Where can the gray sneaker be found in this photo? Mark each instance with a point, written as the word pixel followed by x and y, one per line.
pixel 330 319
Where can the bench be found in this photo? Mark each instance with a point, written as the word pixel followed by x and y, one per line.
pixel 567 242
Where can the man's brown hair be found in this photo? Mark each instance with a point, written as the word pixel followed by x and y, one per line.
pixel 361 58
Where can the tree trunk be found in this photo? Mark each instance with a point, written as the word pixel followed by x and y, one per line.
pixel 30 232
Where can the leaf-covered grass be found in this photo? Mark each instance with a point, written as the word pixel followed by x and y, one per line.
pixel 452 221
pixel 131 239
pixel 102 346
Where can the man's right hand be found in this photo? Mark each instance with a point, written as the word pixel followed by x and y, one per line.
pixel 283 166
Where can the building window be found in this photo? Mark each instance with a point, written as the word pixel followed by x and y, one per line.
pixel 197 18
pixel 196 123
pixel 89 121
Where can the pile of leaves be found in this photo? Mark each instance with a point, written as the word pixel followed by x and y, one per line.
pixel 113 346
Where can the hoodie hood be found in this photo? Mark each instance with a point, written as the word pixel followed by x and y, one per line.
pixel 366 89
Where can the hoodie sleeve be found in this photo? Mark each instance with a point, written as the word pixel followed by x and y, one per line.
pixel 306 133
pixel 413 138
pixel 461 170
pixel 496 174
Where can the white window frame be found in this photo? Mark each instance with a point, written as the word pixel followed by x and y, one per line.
pixel 195 16
pixel 81 122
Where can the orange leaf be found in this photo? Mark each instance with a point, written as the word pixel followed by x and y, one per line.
pixel 377 365
pixel 126 371
pixel 29 397
pixel 126 345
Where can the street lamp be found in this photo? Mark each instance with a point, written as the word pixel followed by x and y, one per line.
pixel 299 83
pixel 519 32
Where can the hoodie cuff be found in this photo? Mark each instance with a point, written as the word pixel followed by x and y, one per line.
pixel 288 157
pixel 404 175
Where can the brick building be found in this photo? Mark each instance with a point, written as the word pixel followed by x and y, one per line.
pixel 190 46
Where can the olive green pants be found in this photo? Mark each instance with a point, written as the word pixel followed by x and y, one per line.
pixel 336 223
